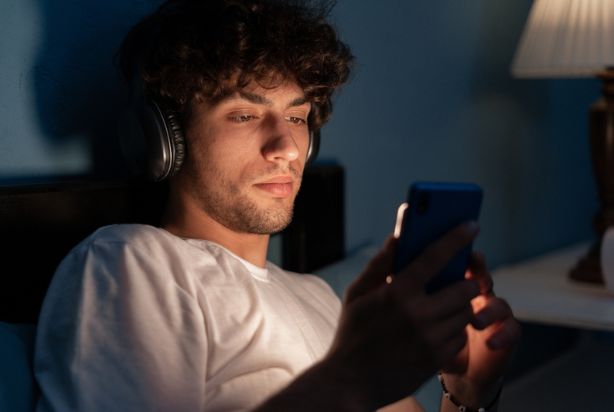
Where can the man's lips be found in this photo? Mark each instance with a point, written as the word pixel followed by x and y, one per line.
pixel 279 186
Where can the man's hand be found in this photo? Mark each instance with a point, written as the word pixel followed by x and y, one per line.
pixel 393 336
pixel 474 376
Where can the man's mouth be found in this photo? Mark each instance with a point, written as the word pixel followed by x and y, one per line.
pixel 278 186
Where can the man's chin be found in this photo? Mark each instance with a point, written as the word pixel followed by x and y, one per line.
pixel 256 213
pixel 272 223
pixel 261 220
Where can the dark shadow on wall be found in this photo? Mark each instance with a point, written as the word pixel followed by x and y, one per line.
pixel 78 91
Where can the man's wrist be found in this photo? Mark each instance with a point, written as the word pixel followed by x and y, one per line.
pixel 470 395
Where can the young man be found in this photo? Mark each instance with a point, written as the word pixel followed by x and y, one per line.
pixel 189 316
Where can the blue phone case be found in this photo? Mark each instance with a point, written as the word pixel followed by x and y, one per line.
pixel 435 208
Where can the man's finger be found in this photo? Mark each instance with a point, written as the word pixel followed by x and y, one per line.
pixel 494 310
pixel 479 272
pixel 453 298
pixel 507 335
pixel 436 256
pixel 446 329
pixel 376 271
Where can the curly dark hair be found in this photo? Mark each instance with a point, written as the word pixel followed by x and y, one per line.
pixel 211 48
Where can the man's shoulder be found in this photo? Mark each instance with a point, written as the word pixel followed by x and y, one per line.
pixel 121 239
pixel 128 236
pixel 129 251
pixel 145 242
pixel 126 233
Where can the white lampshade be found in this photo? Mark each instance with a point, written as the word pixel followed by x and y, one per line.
pixel 566 38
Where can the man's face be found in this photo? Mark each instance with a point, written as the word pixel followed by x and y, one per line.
pixel 246 155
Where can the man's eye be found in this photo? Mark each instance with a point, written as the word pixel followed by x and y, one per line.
pixel 296 120
pixel 242 118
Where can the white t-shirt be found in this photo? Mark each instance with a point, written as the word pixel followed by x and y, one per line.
pixel 137 319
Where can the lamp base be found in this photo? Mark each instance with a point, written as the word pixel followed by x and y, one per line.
pixel 588 268
pixel 601 137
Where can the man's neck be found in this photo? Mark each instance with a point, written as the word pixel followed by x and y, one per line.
pixel 185 219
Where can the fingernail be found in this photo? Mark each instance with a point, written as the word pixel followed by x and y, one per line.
pixel 480 321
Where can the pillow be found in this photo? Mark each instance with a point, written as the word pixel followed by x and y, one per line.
pixel 17 388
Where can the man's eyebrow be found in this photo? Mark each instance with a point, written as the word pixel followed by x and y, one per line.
pixel 259 99
pixel 255 98
pixel 299 101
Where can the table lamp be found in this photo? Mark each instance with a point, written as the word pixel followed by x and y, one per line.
pixel 575 38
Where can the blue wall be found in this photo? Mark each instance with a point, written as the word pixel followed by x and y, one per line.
pixel 431 98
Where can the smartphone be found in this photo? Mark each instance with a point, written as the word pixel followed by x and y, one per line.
pixel 433 209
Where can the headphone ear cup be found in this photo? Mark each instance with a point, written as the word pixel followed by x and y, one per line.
pixel 177 141
pixel 314 146
pixel 152 140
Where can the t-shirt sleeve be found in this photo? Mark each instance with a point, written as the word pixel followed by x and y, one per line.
pixel 117 332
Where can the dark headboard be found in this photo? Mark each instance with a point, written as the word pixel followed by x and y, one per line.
pixel 39 224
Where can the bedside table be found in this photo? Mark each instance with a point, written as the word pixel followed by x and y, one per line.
pixel 539 290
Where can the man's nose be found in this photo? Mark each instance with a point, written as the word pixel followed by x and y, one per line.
pixel 280 144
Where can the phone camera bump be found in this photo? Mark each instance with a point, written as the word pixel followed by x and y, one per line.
pixel 423 203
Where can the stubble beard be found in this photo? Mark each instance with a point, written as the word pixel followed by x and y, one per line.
pixel 234 209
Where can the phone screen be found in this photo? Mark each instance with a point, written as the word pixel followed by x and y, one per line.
pixel 433 209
